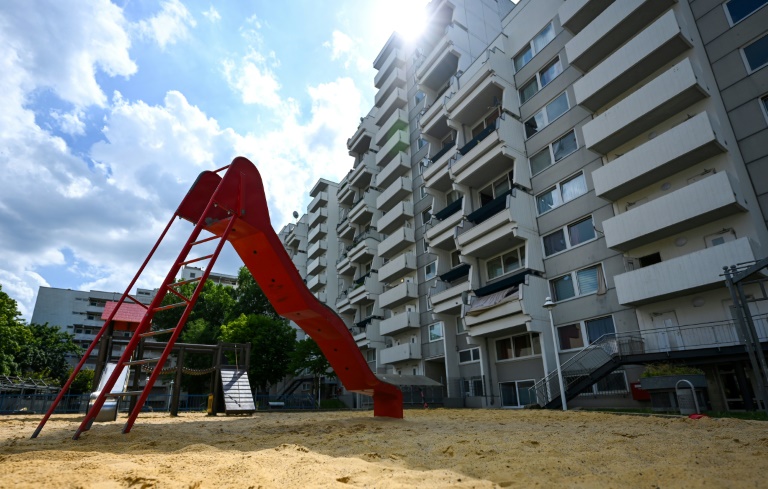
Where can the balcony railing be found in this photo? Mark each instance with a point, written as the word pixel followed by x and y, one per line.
pixel 447 147
pixel 368 233
pixel 477 139
pixel 490 209
pixel 450 209
pixel 461 270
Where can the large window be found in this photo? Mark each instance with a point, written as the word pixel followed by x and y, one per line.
pixel 756 54
pixel 518 347
pixel 472 387
pixel 435 331
pixel 561 193
pixel 506 263
pixel 553 153
pixel 469 356
pixel 534 46
pixel 495 189
pixel 430 271
pixel 572 336
pixel 578 283
pixel 547 115
pixel 515 394
pixel 569 236
pixel 542 79
pixel 739 10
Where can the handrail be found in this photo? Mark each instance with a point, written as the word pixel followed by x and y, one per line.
pixel 442 151
pixel 490 209
pixel 477 139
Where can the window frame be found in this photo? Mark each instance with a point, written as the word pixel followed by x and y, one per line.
pixel 537 78
pixel 434 274
pixel 531 46
pixel 425 220
pixel 461 326
pixel 473 351
pixel 763 101
pixel 582 325
pixel 534 345
pixel 575 281
pixel 558 189
pixel 509 177
pixel 566 230
pixel 518 389
pixel 744 58
pixel 520 258
pixel 430 337
pixel 543 111
pixel 730 18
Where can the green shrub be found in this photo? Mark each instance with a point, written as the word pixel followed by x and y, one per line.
pixel 663 369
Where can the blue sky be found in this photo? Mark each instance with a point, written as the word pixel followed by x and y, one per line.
pixel 111 109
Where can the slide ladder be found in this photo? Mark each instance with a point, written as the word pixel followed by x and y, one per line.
pixel 233 208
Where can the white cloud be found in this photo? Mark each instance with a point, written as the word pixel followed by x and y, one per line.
pixel 169 26
pixel 212 15
pixel 253 80
pixel 70 123
pixel 346 49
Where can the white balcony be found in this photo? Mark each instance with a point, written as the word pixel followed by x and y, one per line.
pixel 482 84
pixel 490 152
pixel 317 282
pixel 433 118
pixel 396 242
pixel 316 249
pixel 315 218
pixel 575 15
pixel 397 191
pixel 399 295
pixel 396 100
pixel 436 174
pixel 397 267
pixel 688 274
pixel 707 200
pixel 395 217
pixel 343 306
pixel 399 323
pixel 613 27
pixel 320 199
pixel 396 59
pixel 396 122
pixel 363 251
pixel 503 230
pixel 448 301
pixel 317 265
pixel 363 209
pixel 345 267
pixel 317 232
pixel 661 42
pixel 322 297
pixel 344 229
pixel 519 310
pixel 397 167
pixel 670 93
pixel 681 147
pixel 362 175
pixel 395 144
pixel 443 61
pixel 345 194
pixel 396 79
pixel 365 293
pixel 360 142
pixel 400 353
pixel 441 233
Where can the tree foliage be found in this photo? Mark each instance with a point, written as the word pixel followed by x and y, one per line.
pixel 309 357
pixel 83 382
pixel 14 335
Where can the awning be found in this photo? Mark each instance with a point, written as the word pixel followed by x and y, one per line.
pixel 482 304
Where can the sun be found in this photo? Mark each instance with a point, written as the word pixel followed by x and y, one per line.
pixel 406 17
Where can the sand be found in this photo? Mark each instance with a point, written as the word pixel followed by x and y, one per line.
pixel 429 448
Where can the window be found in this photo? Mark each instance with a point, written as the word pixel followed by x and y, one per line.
pixel 518 347
pixel 542 79
pixel 756 54
pixel 764 104
pixel 547 115
pixel 570 336
pixel 469 356
pixel 430 271
pixel 515 394
pixel 561 193
pixel 599 327
pixel 418 97
pixel 534 46
pixel 455 258
pixel 472 387
pixel 489 120
pixel 460 327
pixel 435 332
pixel 495 189
pixel 739 10
pixel 554 152
pixel 370 355
pixel 720 238
pixel 422 191
pixel 648 260
pixel 420 143
pixel 368 310
pixel 426 216
pixel 506 263
pixel 577 233
pixel 578 283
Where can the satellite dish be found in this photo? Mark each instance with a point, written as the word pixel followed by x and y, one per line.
pixel 295 215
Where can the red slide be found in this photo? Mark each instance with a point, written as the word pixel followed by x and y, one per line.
pixel 241 191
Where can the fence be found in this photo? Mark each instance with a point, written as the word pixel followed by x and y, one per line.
pixel 16 403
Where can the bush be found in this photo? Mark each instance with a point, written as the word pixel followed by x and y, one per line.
pixel 332 404
pixel 664 369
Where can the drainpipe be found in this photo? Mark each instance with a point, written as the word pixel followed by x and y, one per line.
pixel 490 378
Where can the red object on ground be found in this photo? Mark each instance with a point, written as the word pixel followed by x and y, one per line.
pixel 697 416
pixel 638 393
pixel 240 192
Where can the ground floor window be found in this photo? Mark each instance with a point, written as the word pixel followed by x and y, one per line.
pixel 515 394
pixel 472 387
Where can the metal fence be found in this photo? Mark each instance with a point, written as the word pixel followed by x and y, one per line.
pixel 16 403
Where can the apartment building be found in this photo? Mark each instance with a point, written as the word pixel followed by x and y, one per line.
pixel 609 155
pixel 188 273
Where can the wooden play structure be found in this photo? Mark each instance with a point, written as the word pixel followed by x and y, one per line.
pixel 232 207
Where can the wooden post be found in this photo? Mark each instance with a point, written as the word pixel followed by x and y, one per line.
pixel 216 378
pixel 136 374
pixel 177 384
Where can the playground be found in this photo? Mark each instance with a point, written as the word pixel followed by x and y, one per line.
pixel 428 448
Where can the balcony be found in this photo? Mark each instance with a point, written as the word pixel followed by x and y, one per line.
pixel 395 80
pixel 517 311
pixel 360 142
pixel 436 174
pixel 482 85
pixel 364 293
pixel 397 267
pixel 399 323
pixel 320 199
pixel 433 118
pixel 679 148
pixel 364 250
pixel 396 100
pixel 400 353
pixel 688 274
pixel 397 167
pixel 317 249
pixel 396 242
pixel 395 193
pixel 613 27
pixel 363 209
pixel 442 62
pixel 322 297
pixel 399 295
pixel 345 194
pixel 315 218
pixel 395 144
pixel 317 232
pixel 490 152
pixel 343 306
pixel 504 229
pixel 670 93
pixel 344 229
pixel 447 299
pixel 395 217
pixel 344 266
pixel 317 282
pixel 316 265
pixel 395 59
pixel 396 122
pixel 442 228
pixel 363 174
pixel 660 43
pixel 699 203
pixel 575 15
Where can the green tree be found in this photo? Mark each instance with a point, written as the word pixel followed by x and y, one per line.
pixel 308 356
pixel 249 298
pixel 83 382
pixel 272 341
pixel 45 354
pixel 14 335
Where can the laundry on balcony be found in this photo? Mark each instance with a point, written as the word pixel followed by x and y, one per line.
pixel 482 304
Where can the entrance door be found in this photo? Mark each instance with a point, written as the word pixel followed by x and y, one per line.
pixel 665 324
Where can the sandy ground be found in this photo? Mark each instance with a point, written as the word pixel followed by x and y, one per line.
pixel 429 448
